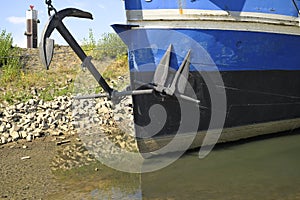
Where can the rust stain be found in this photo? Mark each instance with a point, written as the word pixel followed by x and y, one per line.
pixel 180 11
pixel 180 5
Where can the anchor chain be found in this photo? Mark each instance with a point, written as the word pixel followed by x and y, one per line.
pixel 50 7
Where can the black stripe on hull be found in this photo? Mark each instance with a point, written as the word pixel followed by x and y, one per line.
pixel 253 97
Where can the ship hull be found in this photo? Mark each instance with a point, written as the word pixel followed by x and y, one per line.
pixel 258 103
pixel 243 69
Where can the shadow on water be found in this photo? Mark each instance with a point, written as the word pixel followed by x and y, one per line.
pixel 222 146
pixel 265 167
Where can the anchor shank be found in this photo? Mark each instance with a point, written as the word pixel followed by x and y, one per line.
pixel 62 29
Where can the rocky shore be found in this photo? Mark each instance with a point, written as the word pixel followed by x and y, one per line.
pixel 40 138
pixel 64 117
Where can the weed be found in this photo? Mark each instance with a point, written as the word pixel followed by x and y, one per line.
pixel 109 46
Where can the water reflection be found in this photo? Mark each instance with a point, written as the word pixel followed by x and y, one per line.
pixel 262 169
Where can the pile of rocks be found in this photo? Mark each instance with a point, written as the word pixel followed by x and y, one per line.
pixel 36 118
pixel 65 116
pixel 103 130
pixel 110 122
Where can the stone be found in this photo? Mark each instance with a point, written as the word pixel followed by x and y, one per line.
pixel 8 126
pixel 110 122
pixel 6 135
pixel 34 125
pixel 23 134
pixel 2 128
pixel 25 158
pixel 14 135
pixel 50 120
pixel 55 106
pixel 64 128
pixel 117 118
pixel 25 122
pixel 56 133
pixel 103 110
pixel 41 102
pixel 118 137
pixel 15 128
pixel 31 116
pixel 3 140
pixel 29 138
pixel 31 102
pixel 20 106
pixel 37 132
pixel 34 91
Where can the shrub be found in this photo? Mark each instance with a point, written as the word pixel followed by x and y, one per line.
pixel 9 58
pixel 5 47
pixel 108 46
pixel 90 43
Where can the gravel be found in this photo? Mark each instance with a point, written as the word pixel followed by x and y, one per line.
pixel 102 127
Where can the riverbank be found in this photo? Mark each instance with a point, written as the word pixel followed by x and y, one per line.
pixel 43 170
pixel 25 170
pixel 41 124
pixel 40 102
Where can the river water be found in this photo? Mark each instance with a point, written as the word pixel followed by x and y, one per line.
pixel 265 168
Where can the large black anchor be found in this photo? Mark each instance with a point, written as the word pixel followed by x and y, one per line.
pixel 159 85
pixel 47 48
pixel 47 45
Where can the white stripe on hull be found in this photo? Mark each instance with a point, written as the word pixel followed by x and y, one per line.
pixel 220 20
pixel 197 14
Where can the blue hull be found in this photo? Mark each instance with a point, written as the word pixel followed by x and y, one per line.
pixel 267 6
pixel 244 50
pixel 222 50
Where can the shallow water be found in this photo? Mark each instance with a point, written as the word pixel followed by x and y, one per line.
pixel 261 169
pixel 264 169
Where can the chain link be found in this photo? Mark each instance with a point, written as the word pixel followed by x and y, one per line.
pixel 50 7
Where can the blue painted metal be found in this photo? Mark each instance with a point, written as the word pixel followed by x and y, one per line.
pixel 222 50
pixel 282 7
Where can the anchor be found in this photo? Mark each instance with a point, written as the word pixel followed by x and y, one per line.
pixel 167 84
pixel 159 85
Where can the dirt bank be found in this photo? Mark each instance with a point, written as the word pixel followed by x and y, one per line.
pixel 28 178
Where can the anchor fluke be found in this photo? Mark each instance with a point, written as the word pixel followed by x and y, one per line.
pixel 162 70
pixel 180 79
pixel 46 52
pixel 168 82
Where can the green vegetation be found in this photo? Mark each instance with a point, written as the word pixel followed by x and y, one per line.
pixel 9 59
pixel 21 75
pixel 18 84
pixel 110 46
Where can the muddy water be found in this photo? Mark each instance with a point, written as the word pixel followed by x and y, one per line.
pixel 260 169
pixel 97 181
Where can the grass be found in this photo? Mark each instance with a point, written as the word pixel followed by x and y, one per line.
pixel 47 86
pixel 17 85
